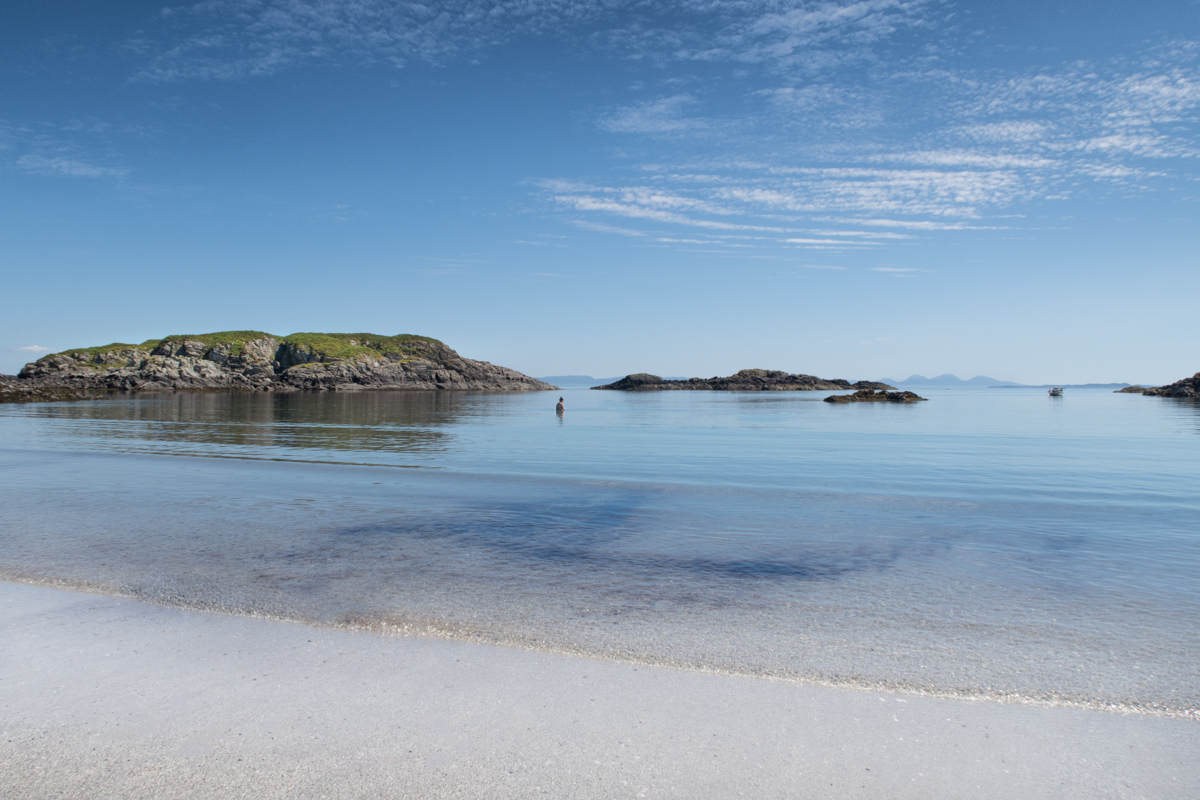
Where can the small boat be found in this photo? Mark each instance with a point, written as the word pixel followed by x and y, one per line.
pixel 1055 392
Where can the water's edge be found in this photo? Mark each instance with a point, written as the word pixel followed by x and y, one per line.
pixel 402 626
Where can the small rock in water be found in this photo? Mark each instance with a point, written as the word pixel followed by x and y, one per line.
pixel 868 396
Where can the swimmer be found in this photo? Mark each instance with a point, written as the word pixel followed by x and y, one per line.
pixel 560 408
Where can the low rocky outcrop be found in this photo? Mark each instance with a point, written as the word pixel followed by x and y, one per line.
pixel 1131 390
pixel 14 391
pixel 748 380
pixel 1188 389
pixel 868 396
pixel 257 361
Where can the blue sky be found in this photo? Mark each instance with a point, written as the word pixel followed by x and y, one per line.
pixel 848 189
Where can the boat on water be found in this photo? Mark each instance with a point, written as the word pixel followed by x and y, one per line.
pixel 1055 391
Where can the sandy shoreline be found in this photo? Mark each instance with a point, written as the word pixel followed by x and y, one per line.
pixel 107 697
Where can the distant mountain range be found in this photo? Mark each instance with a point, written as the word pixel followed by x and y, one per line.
pixel 948 380
pixel 979 381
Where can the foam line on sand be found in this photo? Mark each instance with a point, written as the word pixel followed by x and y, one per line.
pixel 105 697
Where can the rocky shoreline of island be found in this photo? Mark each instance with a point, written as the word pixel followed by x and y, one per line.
pixel 747 380
pixel 258 361
pixel 1187 389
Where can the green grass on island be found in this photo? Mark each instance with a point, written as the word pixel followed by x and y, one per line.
pixel 347 346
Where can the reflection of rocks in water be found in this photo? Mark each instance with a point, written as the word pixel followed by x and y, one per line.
pixel 364 421
pixel 379 408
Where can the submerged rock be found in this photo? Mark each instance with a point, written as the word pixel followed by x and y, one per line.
pixel 1188 388
pixel 868 396
pixel 748 380
pixel 256 361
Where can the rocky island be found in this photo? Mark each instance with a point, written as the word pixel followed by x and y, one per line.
pixel 748 380
pixel 257 361
pixel 868 396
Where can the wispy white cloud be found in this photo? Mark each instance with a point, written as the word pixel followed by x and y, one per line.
pixel 911 224
pixel 665 115
pixel 1143 109
pixel 744 200
pixel 828 105
pixel 822 241
pixel 1019 131
pixel 943 193
pixel 899 272
pixel 231 39
pixel 638 211
pixel 34 348
pixel 790 35
pixel 58 165
pixel 851 116
pixel 9 134
pixel 964 158
pixel 603 228
pixel 798 36
pixel 930 151
pixel 868 234
pixel 76 148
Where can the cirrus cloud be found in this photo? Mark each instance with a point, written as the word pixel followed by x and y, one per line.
pixel 58 165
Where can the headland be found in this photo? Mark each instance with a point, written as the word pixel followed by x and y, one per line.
pixel 1186 389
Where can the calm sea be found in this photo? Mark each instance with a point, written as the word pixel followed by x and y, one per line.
pixel 995 543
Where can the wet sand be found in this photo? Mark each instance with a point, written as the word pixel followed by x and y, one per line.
pixel 105 697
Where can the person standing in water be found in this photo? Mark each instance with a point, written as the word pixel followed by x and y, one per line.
pixel 560 408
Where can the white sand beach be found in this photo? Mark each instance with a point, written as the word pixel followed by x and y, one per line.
pixel 104 697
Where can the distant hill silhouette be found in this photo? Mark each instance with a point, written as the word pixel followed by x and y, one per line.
pixel 578 380
pixel 948 380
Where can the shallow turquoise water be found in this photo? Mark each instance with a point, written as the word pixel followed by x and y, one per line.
pixel 987 542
